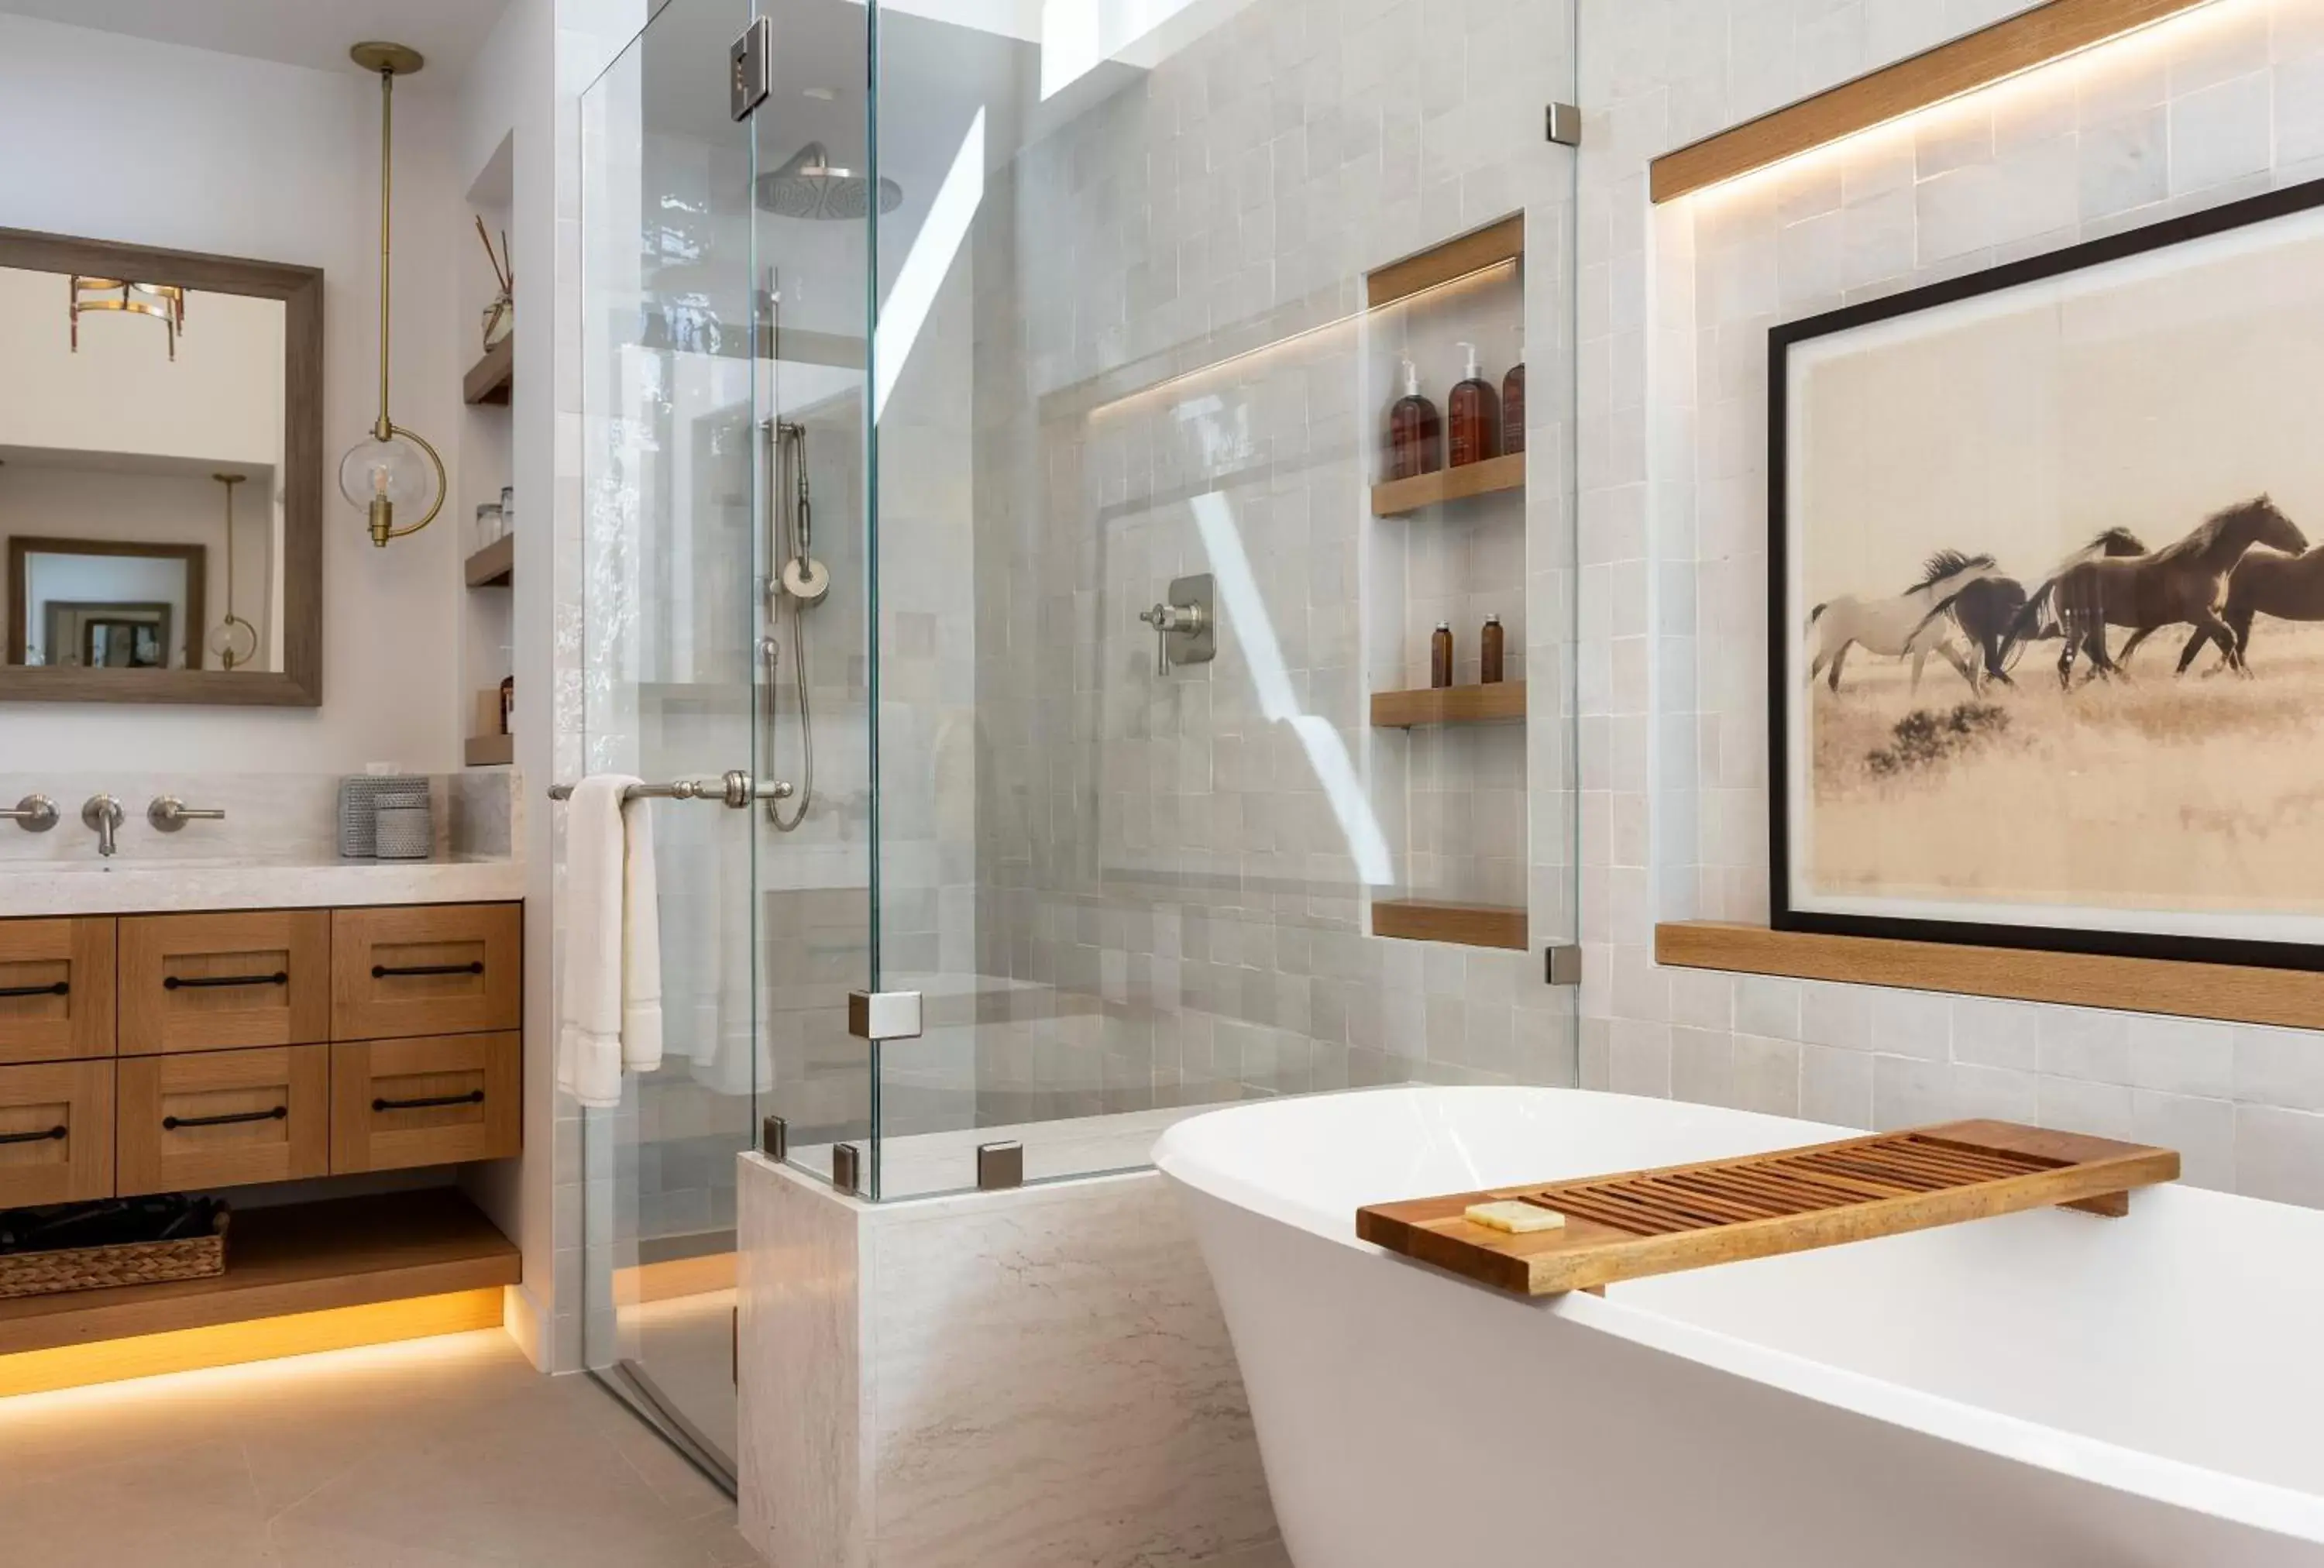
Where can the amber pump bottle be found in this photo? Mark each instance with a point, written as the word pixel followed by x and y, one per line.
pixel 1474 413
pixel 1489 652
pixel 1513 410
pixel 1415 436
pixel 1440 656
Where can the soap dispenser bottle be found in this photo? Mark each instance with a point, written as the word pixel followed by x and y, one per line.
pixel 1474 413
pixel 1415 436
pixel 1513 415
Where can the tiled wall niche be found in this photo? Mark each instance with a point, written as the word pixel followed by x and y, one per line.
pixel 1450 796
pixel 1675 304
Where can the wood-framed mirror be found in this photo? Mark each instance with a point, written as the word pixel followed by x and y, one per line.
pixel 161 475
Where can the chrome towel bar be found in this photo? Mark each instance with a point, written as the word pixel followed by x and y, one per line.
pixel 736 788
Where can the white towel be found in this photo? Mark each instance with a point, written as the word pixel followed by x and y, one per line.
pixel 611 1016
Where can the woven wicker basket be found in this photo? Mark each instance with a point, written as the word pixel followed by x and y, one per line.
pixel 101 1268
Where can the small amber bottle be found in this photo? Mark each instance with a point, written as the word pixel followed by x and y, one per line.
pixel 1513 410
pixel 1439 657
pixel 1489 652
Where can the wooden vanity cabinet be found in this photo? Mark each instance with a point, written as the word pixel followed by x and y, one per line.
pixel 56 990
pixel 154 1052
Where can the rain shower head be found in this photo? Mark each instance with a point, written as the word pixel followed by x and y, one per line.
pixel 809 186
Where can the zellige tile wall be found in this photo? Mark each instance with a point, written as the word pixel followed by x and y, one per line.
pixel 1675 306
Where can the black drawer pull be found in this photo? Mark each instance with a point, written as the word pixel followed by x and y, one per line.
pixel 383 972
pixel 58 988
pixel 45 1135
pixel 171 1123
pixel 279 977
pixel 472 1097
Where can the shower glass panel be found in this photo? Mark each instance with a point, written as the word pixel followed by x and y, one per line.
pixel 1129 363
pixel 719 378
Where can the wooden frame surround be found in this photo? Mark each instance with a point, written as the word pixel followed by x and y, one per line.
pixel 1976 60
pixel 300 682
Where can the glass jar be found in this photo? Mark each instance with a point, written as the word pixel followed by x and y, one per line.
pixel 491 522
pixel 507 509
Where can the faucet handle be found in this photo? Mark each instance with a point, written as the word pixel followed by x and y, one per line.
pixel 33 813
pixel 168 813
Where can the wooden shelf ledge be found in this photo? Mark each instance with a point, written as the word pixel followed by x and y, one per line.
pixel 1398 497
pixel 1495 245
pixel 300 1258
pixel 494 566
pixel 2287 998
pixel 490 750
pixel 1466 925
pixel 492 379
pixel 1502 701
pixel 2017 44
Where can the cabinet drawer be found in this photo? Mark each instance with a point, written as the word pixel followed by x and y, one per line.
pixel 211 982
pixel 56 1133
pixel 56 990
pixel 431 969
pixel 439 1101
pixel 217 1119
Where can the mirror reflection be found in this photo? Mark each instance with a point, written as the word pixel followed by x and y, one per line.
pixel 141 460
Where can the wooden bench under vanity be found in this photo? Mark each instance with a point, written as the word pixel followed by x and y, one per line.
pixel 193 1052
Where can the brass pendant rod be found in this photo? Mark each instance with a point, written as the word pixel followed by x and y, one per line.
pixel 385 429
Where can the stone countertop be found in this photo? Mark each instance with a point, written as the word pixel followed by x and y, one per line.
pixel 162 887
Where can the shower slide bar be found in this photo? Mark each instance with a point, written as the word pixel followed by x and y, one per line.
pixel 735 788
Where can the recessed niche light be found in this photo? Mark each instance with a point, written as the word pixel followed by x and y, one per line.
pixel 821 94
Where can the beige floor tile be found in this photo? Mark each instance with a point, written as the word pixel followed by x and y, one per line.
pixel 442 1453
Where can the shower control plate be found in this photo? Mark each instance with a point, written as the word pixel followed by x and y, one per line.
pixel 1186 623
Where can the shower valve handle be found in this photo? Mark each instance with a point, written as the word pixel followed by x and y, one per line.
pixel 1165 619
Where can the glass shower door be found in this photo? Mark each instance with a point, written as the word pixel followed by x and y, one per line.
pixel 670 653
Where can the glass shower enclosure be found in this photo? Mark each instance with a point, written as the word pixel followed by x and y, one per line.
pixel 983 413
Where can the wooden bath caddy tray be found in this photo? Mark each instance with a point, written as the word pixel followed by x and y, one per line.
pixel 1728 1210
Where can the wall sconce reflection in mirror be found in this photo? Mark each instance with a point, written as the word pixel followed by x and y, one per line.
pixel 165 302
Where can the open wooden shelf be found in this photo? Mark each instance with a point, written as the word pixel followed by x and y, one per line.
pixel 1398 497
pixel 1502 701
pixel 1468 925
pixel 2010 47
pixel 492 379
pixel 490 750
pixel 2289 998
pixel 494 566
pixel 300 1258
pixel 1493 246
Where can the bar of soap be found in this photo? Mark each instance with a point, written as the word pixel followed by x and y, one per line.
pixel 1513 1216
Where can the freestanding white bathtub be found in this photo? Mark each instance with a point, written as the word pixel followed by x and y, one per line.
pixel 2047 1390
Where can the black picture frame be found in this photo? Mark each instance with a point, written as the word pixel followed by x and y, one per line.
pixel 1781 618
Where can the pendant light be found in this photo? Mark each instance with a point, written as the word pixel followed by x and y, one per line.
pixel 234 640
pixel 389 471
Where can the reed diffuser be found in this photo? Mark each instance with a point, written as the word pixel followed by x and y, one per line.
pixel 500 316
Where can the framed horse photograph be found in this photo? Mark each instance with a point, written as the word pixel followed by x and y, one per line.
pixel 2046 663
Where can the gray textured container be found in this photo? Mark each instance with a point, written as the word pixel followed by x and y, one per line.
pixel 404 828
pixel 359 798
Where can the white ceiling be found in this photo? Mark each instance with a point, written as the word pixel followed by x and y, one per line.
pixel 309 33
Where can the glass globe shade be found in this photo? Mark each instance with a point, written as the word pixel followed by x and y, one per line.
pixel 395 470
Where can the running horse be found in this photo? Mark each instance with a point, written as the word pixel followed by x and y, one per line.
pixel 1993 614
pixel 2264 582
pixel 2184 582
pixel 1901 627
